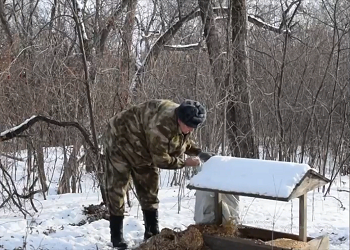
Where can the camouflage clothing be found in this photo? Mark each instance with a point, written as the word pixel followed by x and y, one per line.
pixel 138 141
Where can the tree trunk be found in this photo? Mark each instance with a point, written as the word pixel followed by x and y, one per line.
pixel 40 163
pixel 239 112
pixel 89 164
pixel 4 22
pixel 67 182
pixel 41 169
pixel 126 69
pixel 64 184
pixel 233 83
pixel 101 168
pixel 29 163
pixel 216 57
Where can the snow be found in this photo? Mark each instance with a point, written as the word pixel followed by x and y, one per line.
pixel 250 176
pixel 16 127
pixel 51 227
pixel 184 46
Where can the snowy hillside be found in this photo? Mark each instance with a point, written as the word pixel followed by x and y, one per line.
pixel 54 226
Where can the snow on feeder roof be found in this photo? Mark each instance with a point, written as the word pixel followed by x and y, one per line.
pixel 257 178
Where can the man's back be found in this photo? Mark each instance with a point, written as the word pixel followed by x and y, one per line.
pixel 129 131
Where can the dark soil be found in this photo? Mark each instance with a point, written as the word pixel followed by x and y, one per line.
pixel 93 213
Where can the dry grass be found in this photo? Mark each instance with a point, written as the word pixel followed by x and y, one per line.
pixel 189 239
pixel 226 230
pixel 192 238
pixel 287 243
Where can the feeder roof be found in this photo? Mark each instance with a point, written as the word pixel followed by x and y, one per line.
pixel 275 180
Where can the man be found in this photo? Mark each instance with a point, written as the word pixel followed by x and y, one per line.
pixel 139 141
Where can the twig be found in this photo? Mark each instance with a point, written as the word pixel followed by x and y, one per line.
pixel 343 190
pixel 341 203
pixel 339 168
pixel 12 157
pixel 11 191
pixel 5 201
pixel 11 197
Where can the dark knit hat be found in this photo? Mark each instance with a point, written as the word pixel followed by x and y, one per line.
pixel 191 113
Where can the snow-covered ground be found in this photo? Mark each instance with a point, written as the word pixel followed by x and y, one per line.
pixel 51 227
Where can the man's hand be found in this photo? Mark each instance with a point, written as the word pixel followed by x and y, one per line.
pixel 192 162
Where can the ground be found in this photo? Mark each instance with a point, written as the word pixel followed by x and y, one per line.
pixel 55 226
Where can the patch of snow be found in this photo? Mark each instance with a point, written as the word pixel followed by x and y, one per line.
pixel 183 46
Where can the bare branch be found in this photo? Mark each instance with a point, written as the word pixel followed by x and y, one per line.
pixel 77 14
pixel 186 47
pixel 298 3
pixel 5 201
pixel 341 203
pixel 110 24
pixel 258 22
pixel 12 157
pixel 16 131
pixel 336 174
pixel 264 25
pixel 11 194
pixel 159 45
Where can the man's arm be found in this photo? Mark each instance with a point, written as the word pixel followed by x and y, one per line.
pixel 159 148
pixel 192 149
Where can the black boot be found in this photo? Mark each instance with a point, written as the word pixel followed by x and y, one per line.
pixel 150 218
pixel 116 226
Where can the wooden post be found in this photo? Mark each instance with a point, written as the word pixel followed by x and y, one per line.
pixel 218 208
pixel 303 217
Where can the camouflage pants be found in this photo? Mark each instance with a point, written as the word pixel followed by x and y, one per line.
pixel 118 174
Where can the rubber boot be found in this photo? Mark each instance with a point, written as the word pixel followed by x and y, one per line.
pixel 116 227
pixel 150 218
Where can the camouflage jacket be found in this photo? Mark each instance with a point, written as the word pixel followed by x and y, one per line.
pixel 148 134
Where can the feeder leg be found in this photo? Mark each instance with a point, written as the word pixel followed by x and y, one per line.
pixel 218 208
pixel 303 218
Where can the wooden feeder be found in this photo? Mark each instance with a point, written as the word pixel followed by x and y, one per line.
pixel 308 182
